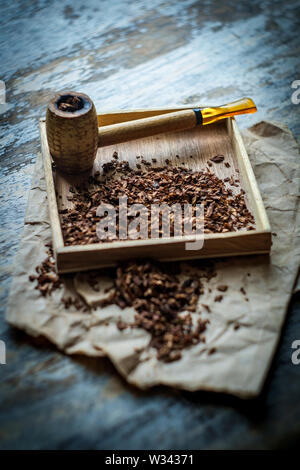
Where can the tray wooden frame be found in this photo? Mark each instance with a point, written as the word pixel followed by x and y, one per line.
pixel 85 257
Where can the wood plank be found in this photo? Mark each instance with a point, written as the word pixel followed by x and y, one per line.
pixel 82 258
pixel 249 181
pixel 180 35
pixel 57 238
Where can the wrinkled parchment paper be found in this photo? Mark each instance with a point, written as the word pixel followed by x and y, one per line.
pixel 242 358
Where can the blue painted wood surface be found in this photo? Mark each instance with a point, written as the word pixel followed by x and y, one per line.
pixel 128 54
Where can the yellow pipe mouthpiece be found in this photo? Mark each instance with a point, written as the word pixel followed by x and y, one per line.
pixel 242 106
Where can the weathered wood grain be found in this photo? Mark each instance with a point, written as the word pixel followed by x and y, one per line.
pixel 128 54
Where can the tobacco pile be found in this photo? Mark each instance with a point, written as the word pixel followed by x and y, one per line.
pixel 156 293
pixel 159 296
pixel 46 277
pixel 224 211
pixel 70 104
pixel 47 280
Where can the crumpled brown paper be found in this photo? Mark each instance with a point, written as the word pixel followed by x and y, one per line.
pixel 243 355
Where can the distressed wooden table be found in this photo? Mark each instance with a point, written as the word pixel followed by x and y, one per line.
pixel 128 54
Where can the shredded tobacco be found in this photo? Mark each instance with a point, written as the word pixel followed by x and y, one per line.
pixel 217 159
pixel 159 297
pixel 224 210
pixel 222 288
pixel 47 280
pixel 70 104
pixel 165 303
pixel 46 276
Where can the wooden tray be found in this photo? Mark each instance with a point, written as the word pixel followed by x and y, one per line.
pixel 203 143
